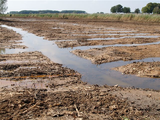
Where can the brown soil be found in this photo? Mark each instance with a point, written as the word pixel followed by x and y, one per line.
pixel 60 29
pixel 77 100
pixel 85 42
pixel 142 69
pixel 64 95
pixel 110 54
pixel 10 39
pixel 31 65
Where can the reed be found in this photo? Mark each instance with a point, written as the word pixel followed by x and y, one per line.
pixel 115 17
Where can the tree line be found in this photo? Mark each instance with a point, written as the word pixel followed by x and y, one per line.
pixel 149 8
pixel 152 8
pixel 119 9
pixel 47 11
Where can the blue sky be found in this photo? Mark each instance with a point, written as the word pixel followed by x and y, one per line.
pixel 90 6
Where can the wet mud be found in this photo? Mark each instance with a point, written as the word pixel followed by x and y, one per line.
pixel 52 29
pixel 64 95
pixel 76 100
pixel 85 42
pixel 31 65
pixel 10 39
pixel 110 54
pixel 142 69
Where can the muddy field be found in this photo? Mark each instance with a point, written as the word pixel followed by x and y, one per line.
pixel 85 42
pixel 110 54
pixel 51 91
pixel 31 65
pixel 10 39
pixel 64 95
pixel 142 69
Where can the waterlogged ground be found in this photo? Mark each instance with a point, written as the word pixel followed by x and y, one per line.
pixel 143 69
pixel 10 39
pixel 128 34
pixel 41 88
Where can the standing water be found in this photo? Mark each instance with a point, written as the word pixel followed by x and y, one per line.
pixel 91 73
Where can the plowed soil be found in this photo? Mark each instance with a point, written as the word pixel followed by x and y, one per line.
pixel 85 42
pixel 110 54
pixel 142 69
pixel 10 39
pixel 64 95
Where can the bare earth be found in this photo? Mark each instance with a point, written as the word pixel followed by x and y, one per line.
pixel 110 54
pixel 85 42
pixel 30 65
pixel 10 39
pixel 142 69
pixel 62 94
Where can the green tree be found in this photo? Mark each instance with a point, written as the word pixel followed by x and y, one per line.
pixel 145 10
pixel 117 8
pixel 126 10
pixel 137 10
pixel 3 6
pixel 156 10
pixel 113 9
pixel 150 7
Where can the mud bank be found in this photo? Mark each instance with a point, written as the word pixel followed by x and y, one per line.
pixel 52 29
pixel 110 54
pixel 76 100
pixel 142 69
pixel 64 95
pixel 112 41
pixel 10 39
pixel 29 65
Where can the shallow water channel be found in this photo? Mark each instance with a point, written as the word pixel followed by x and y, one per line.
pixel 91 73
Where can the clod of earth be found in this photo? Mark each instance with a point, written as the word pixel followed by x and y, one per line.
pixel 111 54
pixel 142 69
pixel 27 65
pixel 10 39
pixel 66 96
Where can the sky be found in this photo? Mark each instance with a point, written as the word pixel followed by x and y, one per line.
pixel 90 6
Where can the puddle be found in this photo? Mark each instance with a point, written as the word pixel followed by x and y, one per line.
pixel 91 73
pixel 115 45
pixel 113 38
pixel 25 83
pixel 118 31
pixel 117 34
pixel 57 28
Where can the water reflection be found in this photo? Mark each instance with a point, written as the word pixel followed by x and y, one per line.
pixel 91 73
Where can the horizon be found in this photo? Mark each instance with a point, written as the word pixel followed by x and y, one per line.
pixel 90 6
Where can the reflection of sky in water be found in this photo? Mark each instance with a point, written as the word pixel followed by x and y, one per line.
pixel 91 73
